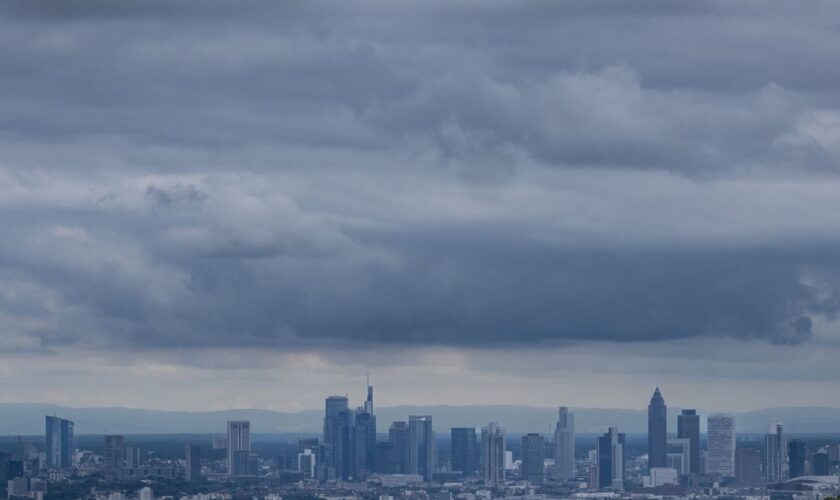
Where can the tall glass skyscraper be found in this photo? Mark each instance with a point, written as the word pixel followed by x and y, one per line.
pixel 657 431
pixel 421 446
pixel 688 427
pixel 60 443
pixel 464 450
pixel 564 445
pixel 398 437
pixel 337 438
pixel 720 452
pixel 611 459
pixel 493 454
pixel 533 458
pixel 797 457
pixel 114 451
pixel 364 439
pixel 775 453
pixel 238 447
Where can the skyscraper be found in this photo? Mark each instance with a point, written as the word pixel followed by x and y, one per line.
pixel 421 446
pixel 464 450
pixel 533 458
pixel 720 451
pixel 679 455
pixel 822 465
pixel 564 445
pixel 748 467
pixel 338 430
pixel 796 458
pixel 493 454
pixel 775 453
pixel 132 457
pixel 239 447
pixel 657 431
pixel 60 443
pixel 398 437
pixel 364 444
pixel 114 451
pixel 611 460
pixel 193 459
pixel 688 427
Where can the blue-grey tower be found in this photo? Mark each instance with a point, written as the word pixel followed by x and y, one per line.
pixel 657 431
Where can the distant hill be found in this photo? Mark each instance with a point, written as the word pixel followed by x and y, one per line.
pixel 28 418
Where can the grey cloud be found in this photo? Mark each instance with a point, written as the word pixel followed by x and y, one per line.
pixel 701 91
pixel 252 265
pixel 481 174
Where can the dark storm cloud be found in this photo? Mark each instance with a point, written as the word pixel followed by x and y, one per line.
pixel 208 173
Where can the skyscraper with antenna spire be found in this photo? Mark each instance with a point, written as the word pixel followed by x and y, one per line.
pixel 364 437
pixel 369 401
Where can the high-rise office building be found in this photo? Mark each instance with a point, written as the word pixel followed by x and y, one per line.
pixel 611 459
pixel 9 468
pixel 132 457
pixel 192 454
pixel 564 445
pixel 364 438
pixel 775 453
pixel 822 464
pixel 364 445
pixel 657 431
pixel 796 458
pixel 338 431
pixel 60 443
pixel 114 451
pixel 464 450
pixel 720 449
pixel 306 461
pixel 688 427
pixel 493 454
pixel 238 447
pixel 533 458
pixel 679 455
pixel 398 437
pixel 421 446
pixel 748 467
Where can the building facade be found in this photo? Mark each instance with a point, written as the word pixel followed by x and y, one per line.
pixel 192 453
pixel 720 450
pixel 775 453
pixel 493 454
pixel 60 443
pixel 611 459
pixel 464 450
pixel 239 447
pixel 533 458
pixel 421 446
pixel 657 431
pixel 564 445
pixel 688 427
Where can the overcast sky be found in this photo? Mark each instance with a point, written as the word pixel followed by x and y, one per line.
pixel 250 204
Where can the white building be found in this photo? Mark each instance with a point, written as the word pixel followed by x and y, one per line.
pixel 720 451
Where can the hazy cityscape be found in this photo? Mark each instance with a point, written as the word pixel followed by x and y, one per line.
pixel 419 249
pixel 356 457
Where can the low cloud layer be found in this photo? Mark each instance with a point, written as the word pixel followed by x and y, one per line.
pixel 177 175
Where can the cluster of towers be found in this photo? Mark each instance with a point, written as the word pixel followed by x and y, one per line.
pixel 348 448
